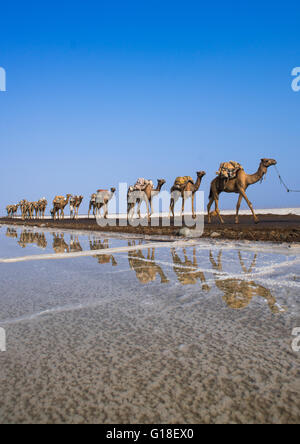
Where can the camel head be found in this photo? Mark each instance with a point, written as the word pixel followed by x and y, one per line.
pixel 113 190
pixel 268 162
pixel 161 182
pixel 201 174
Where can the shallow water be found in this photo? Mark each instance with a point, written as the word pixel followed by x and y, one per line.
pixel 193 333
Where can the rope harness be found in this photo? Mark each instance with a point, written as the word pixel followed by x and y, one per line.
pixel 284 184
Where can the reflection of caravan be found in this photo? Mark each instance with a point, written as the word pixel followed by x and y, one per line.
pixel 238 293
pixel 11 232
pixel 2 79
pixel 29 237
pixel 75 244
pixel 145 268
pixel 59 244
pixel 187 271
pixel 102 258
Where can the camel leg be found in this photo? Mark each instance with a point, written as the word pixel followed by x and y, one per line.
pixel 242 192
pixel 193 206
pixel 130 207
pixel 175 195
pixel 172 204
pixel 139 208
pixel 151 207
pixel 105 211
pixel 238 208
pixel 148 209
pixel 153 254
pixel 182 207
pixel 209 208
pixel 217 210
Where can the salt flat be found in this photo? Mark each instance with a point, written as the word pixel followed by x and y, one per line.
pixel 189 332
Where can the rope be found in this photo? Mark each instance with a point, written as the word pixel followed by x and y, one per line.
pixel 284 184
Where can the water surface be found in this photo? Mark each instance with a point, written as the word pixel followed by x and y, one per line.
pixel 192 333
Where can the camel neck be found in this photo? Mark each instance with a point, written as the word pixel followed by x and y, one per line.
pixel 198 183
pixel 256 177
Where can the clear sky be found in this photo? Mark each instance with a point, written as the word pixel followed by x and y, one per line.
pixel 102 92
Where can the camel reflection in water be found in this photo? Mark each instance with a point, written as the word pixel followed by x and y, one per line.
pixel 11 232
pixel 238 293
pixel 30 237
pixel 187 271
pixel 75 244
pixel 145 267
pixel 102 258
pixel 59 244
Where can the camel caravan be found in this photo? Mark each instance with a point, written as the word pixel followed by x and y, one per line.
pixel 29 210
pixel 230 178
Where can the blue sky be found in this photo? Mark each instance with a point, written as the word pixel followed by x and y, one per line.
pixel 105 92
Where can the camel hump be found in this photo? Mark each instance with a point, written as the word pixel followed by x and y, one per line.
pixel 182 180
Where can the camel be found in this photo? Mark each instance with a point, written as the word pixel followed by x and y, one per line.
pixel 35 208
pixel 9 210
pixel 138 197
pixel 187 271
pixel 28 208
pixel 59 204
pixel 238 293
pixel 92 204
pixel 102 199
pixel 75 203
pixel 25 207
pixel 145 268
pixel 102 258
pixel 186 191
pixel 72 207
pixel 42 205
pixel 237 185
pixel 12 210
